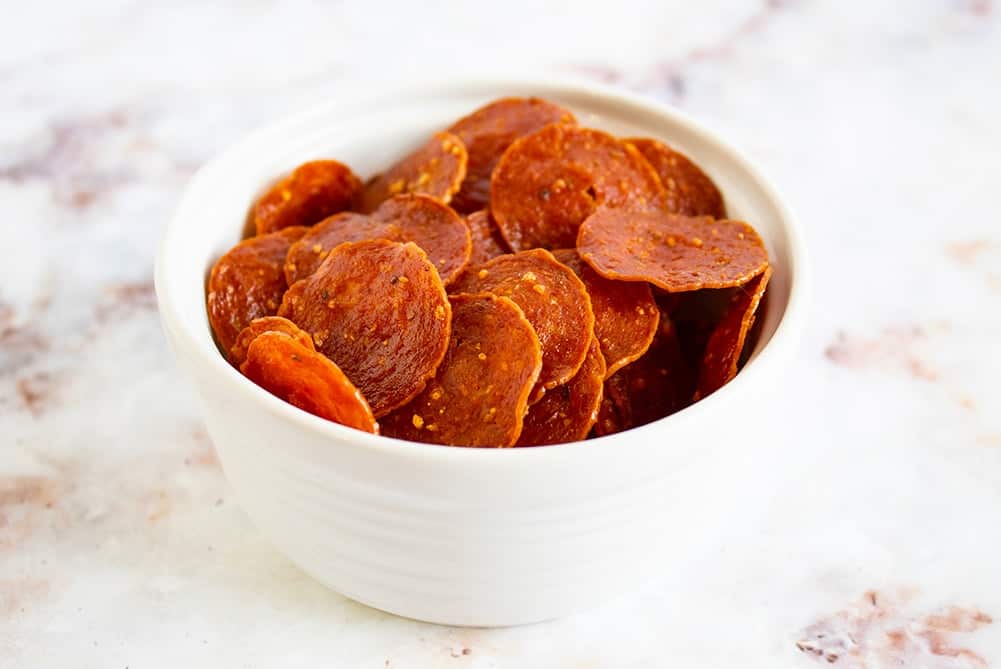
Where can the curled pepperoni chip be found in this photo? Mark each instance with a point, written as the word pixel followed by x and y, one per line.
pixel 487 242
pixel 286 368
pixel 379 311
pixel 480 393
pixel 688 190
pixel 308 195
pixel 247 283
pixel 722 351
pixel 437 169
pixel 420 219
pixel 657 385
pixel 673 252
pixel 258 326
pixel 625 315
pixel 548 182
pixel 554 300
pixel 566 413
pixel 487 133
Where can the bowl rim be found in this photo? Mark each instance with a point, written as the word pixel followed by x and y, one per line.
pixel 782 341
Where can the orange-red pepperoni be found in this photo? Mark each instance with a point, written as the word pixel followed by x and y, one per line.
pixel 437 168
pixel 312 192
pixel 688 190
pixel 625 315
pixel 722 352
pixel 554 300
pixel 420 219
pixel 548 182
pixel 487 133
pixel 673 252
pixel 487 241
pixel 247 283
pixel 379 311
pixel 304 378
pixel 258 326
pixel 566 413
pixel 480 393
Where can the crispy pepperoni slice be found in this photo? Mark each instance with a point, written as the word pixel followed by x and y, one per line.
pixel 657 385
pixel 247 283
pixel 437 169
pixel 487 133
pixel 379 311
pixel 625 315
pixel 286 368
pixel 487 241
pixel 688 190
pixel 554 300
pixel 312 192
pixel 566 413
pixel 673 252
pixel 258 326
pixel 548 182
pixel 420 219
pixel 480 393
pixel 722 351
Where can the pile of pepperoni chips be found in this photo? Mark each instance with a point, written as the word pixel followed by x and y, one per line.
pixel 516 280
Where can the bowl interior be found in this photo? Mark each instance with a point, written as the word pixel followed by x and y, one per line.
pixel 369 133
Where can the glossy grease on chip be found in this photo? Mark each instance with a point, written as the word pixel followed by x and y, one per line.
pixel 673 252
pixel 311 193
pixel 436 168
pixel 548 182
pixel 247 282
pixel 378 309
pixel 687 189
pixel 480 393
pixel 258 326
pixel 487 240
pixel 307 379
pixel 554 300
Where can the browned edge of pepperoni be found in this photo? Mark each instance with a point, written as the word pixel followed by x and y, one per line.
pixel 488 131
pixel 625 314
pixel 420 219
pixel 311 193
pixel 480 393
pixel 722 352
pixel 548 182
pixel 247 282
pixel 436 168
pixel 567 413
pixel 688 190
pixel 301 376
pixel 673 252
pixel 378 309
pixel 258 326
pixel 555 302
pixel 486 238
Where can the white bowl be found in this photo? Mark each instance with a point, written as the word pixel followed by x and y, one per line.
pixel 461 536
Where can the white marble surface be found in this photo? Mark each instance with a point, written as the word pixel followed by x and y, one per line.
pixel 120 545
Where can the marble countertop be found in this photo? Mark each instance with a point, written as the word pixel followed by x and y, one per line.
pixel 875 539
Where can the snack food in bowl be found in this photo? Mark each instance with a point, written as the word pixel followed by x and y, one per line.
pixel 581 284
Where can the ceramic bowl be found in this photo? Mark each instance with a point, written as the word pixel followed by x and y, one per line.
pixel 482 537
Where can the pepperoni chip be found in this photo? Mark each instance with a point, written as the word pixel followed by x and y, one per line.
pixel 722 352
pixel 258 326
pixel 304 378
pixel 548 182
pixel 377 309
pixel 437 169
pixel 625 315
pixel 487 242
pixel 420 219
pixel 567 412
pixel 555 302
pixel 247 283
pixel 480 393
pixel 673 252
pixel 688 190
pixel 308 195
pixel 657 385
pixel 487 133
